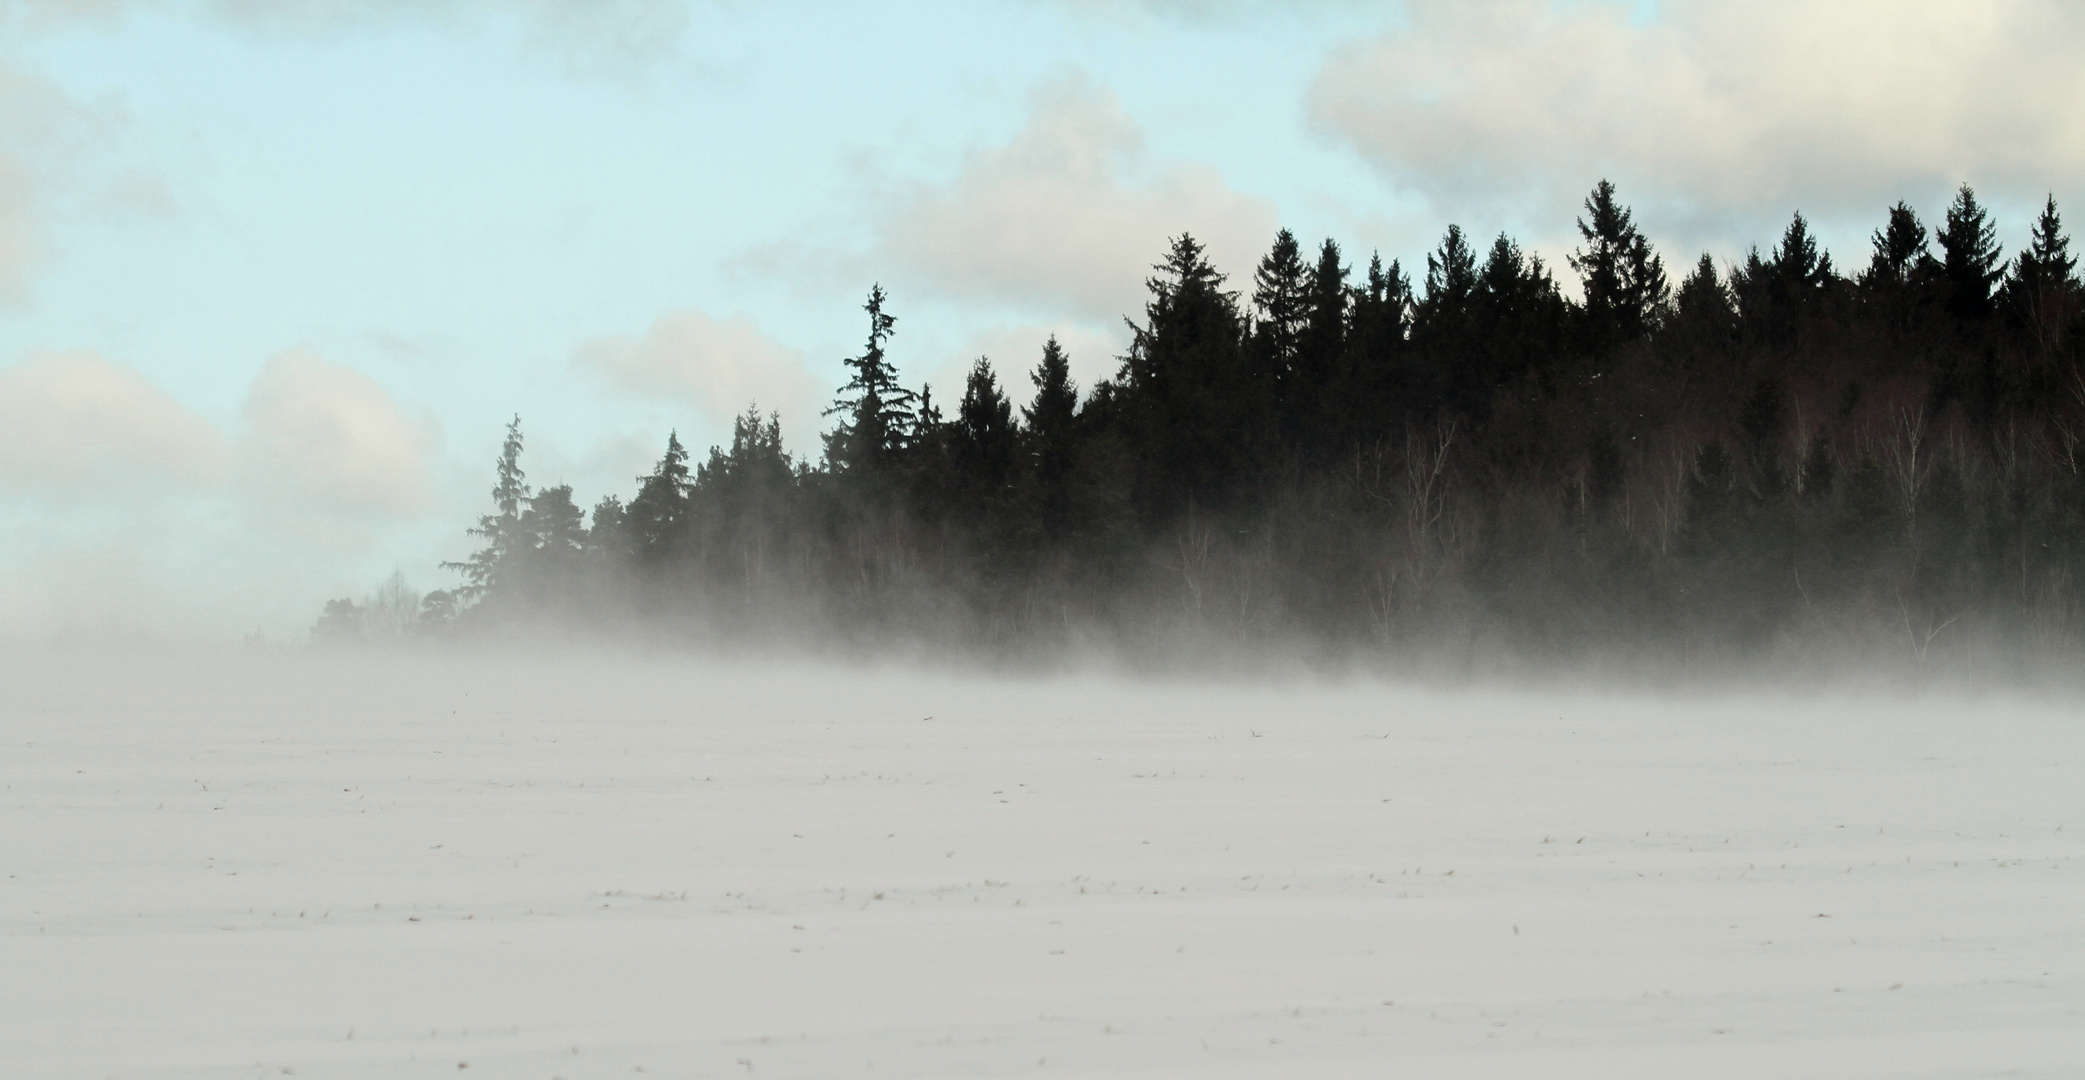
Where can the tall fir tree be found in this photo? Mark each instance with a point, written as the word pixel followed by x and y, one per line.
pixel 658 516
pixel 1199 415
pixel 1312 405
pixel 2042 289
pixel 1052 439
pixel 1623 280
pixel 1971 261
pixel 1371 383
pixel 878 418
pixel 987 441
pixel 485 571
pixel 1901 253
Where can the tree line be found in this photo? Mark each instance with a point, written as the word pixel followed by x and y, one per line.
pixel 1756 460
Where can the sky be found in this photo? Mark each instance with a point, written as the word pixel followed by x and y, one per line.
pixel 274 274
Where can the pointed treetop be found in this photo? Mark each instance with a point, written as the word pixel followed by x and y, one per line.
pixel 1972 259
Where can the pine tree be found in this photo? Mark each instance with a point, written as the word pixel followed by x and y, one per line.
pixel 1900 250
pixel 1451 278
pixel 1624 282
pixel 1702 297
pixel 1776 296
pixel 878 418
pixel 658 515
pixel 608 537
pixel 1199 416
pixel 484 571
pixel 1442 326
pixel 553 525
pixel 1519 321
pixel 1313 421
pixel 986 441
pixel 1800 269
pixel 1051 438
pixel 1370 383
pixel 1972 261
pixel 2042 289
pixel 1280 297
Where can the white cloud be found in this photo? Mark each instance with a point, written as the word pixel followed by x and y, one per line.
pixel 720 366
pixel 318 436
pixel 1716 106
pixel 76 427
pixel 121 510
pixel 1068 216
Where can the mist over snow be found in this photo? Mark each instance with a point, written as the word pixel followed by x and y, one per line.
pixel 589 865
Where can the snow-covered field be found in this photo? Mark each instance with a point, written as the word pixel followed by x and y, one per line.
pixel 223 867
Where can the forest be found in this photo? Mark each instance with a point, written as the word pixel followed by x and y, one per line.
pixel 1773 461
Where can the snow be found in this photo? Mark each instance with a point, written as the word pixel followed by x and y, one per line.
pixel 592 867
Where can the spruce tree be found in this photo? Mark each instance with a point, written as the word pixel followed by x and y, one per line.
pixel 1313 409
pixel 607 538
pixel 2042 289
pixel 1900 249
pixel 1280 296
pixel 658 516
pixel 485 570
pixel 1442 329
pixel 1800 269
pixel 1623 280
pixel 1051 438
pixel 1370 384
pixel 1971 262
pixel 1702 297
pixel 878 416
pixel 1198 414
pixel 986 441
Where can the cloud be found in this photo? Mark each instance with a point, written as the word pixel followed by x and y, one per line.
pixel 718 365
pixel 1757 106
pixel 1067 216
pixel 121 509
pixel 318 436
pixel 76 427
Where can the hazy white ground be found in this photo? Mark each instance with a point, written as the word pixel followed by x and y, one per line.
pixel 250 867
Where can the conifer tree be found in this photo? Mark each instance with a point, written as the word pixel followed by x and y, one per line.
pixel 986 440
pixel 1702 296
pixel 484 571
pixel 1051 437
pixel 1900 249
pixel 1370 383
pixel 1451 278
pixel 608 538
pixel 553 534
pixel 1624 281
pixel 658 516
pixel 1312 409
pixel 1442 330
pixel 1519 321
pixel 2042 289
pixel 878 418
pixel 1800 268
pixel 1280 296
pixel 1971 261
pixel 1199 415
pixel 1777 295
